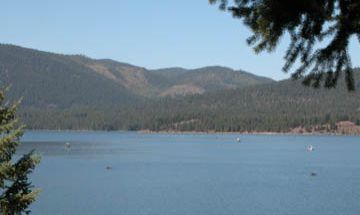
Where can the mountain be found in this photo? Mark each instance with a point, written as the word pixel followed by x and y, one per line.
pixel 206 79
pixel 282 106
pixel 277 107
pixel 285 106
pixel 54 80
pixel 77 92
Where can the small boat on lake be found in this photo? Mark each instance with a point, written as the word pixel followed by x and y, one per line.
pixel 238 139
pixel 67 145
pixel 310 148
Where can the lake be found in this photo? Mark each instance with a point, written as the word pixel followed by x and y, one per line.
pixel 129 173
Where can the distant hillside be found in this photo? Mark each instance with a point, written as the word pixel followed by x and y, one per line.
pixel 206 79
pixel 53 80
pixel 276 107
pixel 77 92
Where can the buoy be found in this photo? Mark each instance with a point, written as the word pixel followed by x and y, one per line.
pixel 67 145
pixel 238 139
pixel 310 148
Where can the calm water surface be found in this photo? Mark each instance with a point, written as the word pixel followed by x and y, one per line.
pixel 161 174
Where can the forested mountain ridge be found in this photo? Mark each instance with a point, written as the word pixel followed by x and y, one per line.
pixel 77 92
pixel 277 107
pixel 208 79
pixel 54 80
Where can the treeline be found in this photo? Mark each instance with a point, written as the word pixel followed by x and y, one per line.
pixel 277 107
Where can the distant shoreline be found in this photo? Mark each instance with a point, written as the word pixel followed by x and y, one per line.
pixel 249 133
pixel 199 132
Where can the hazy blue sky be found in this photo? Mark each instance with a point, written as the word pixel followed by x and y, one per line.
pixel 152 34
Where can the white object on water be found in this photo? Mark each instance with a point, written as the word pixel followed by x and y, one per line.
pixel 67 145
pixel 238 139
pixel 310 148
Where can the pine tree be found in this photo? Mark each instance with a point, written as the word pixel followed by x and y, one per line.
pixel 308 23
pixel 16 193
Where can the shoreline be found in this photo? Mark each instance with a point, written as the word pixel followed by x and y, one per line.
pixel 200 132
pixel 269 133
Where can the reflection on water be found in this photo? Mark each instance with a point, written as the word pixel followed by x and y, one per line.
pixel 130 173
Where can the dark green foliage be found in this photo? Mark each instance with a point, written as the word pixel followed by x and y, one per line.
pixel 16 192
pixel 277 107
pixel 357 121
pixel 308 23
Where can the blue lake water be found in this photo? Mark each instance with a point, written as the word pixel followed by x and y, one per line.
pixel 194 174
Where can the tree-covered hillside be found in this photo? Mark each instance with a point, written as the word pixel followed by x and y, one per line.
pixel 206 79
pixel 277 107
pixel 53 80
pixel 77 92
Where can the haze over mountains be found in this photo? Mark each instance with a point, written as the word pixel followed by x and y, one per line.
pixel 77 92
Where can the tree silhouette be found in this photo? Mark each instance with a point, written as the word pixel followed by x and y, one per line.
pixel 16 192
pixel 310 24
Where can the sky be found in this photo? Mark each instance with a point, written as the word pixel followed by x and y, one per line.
pixel 152 34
